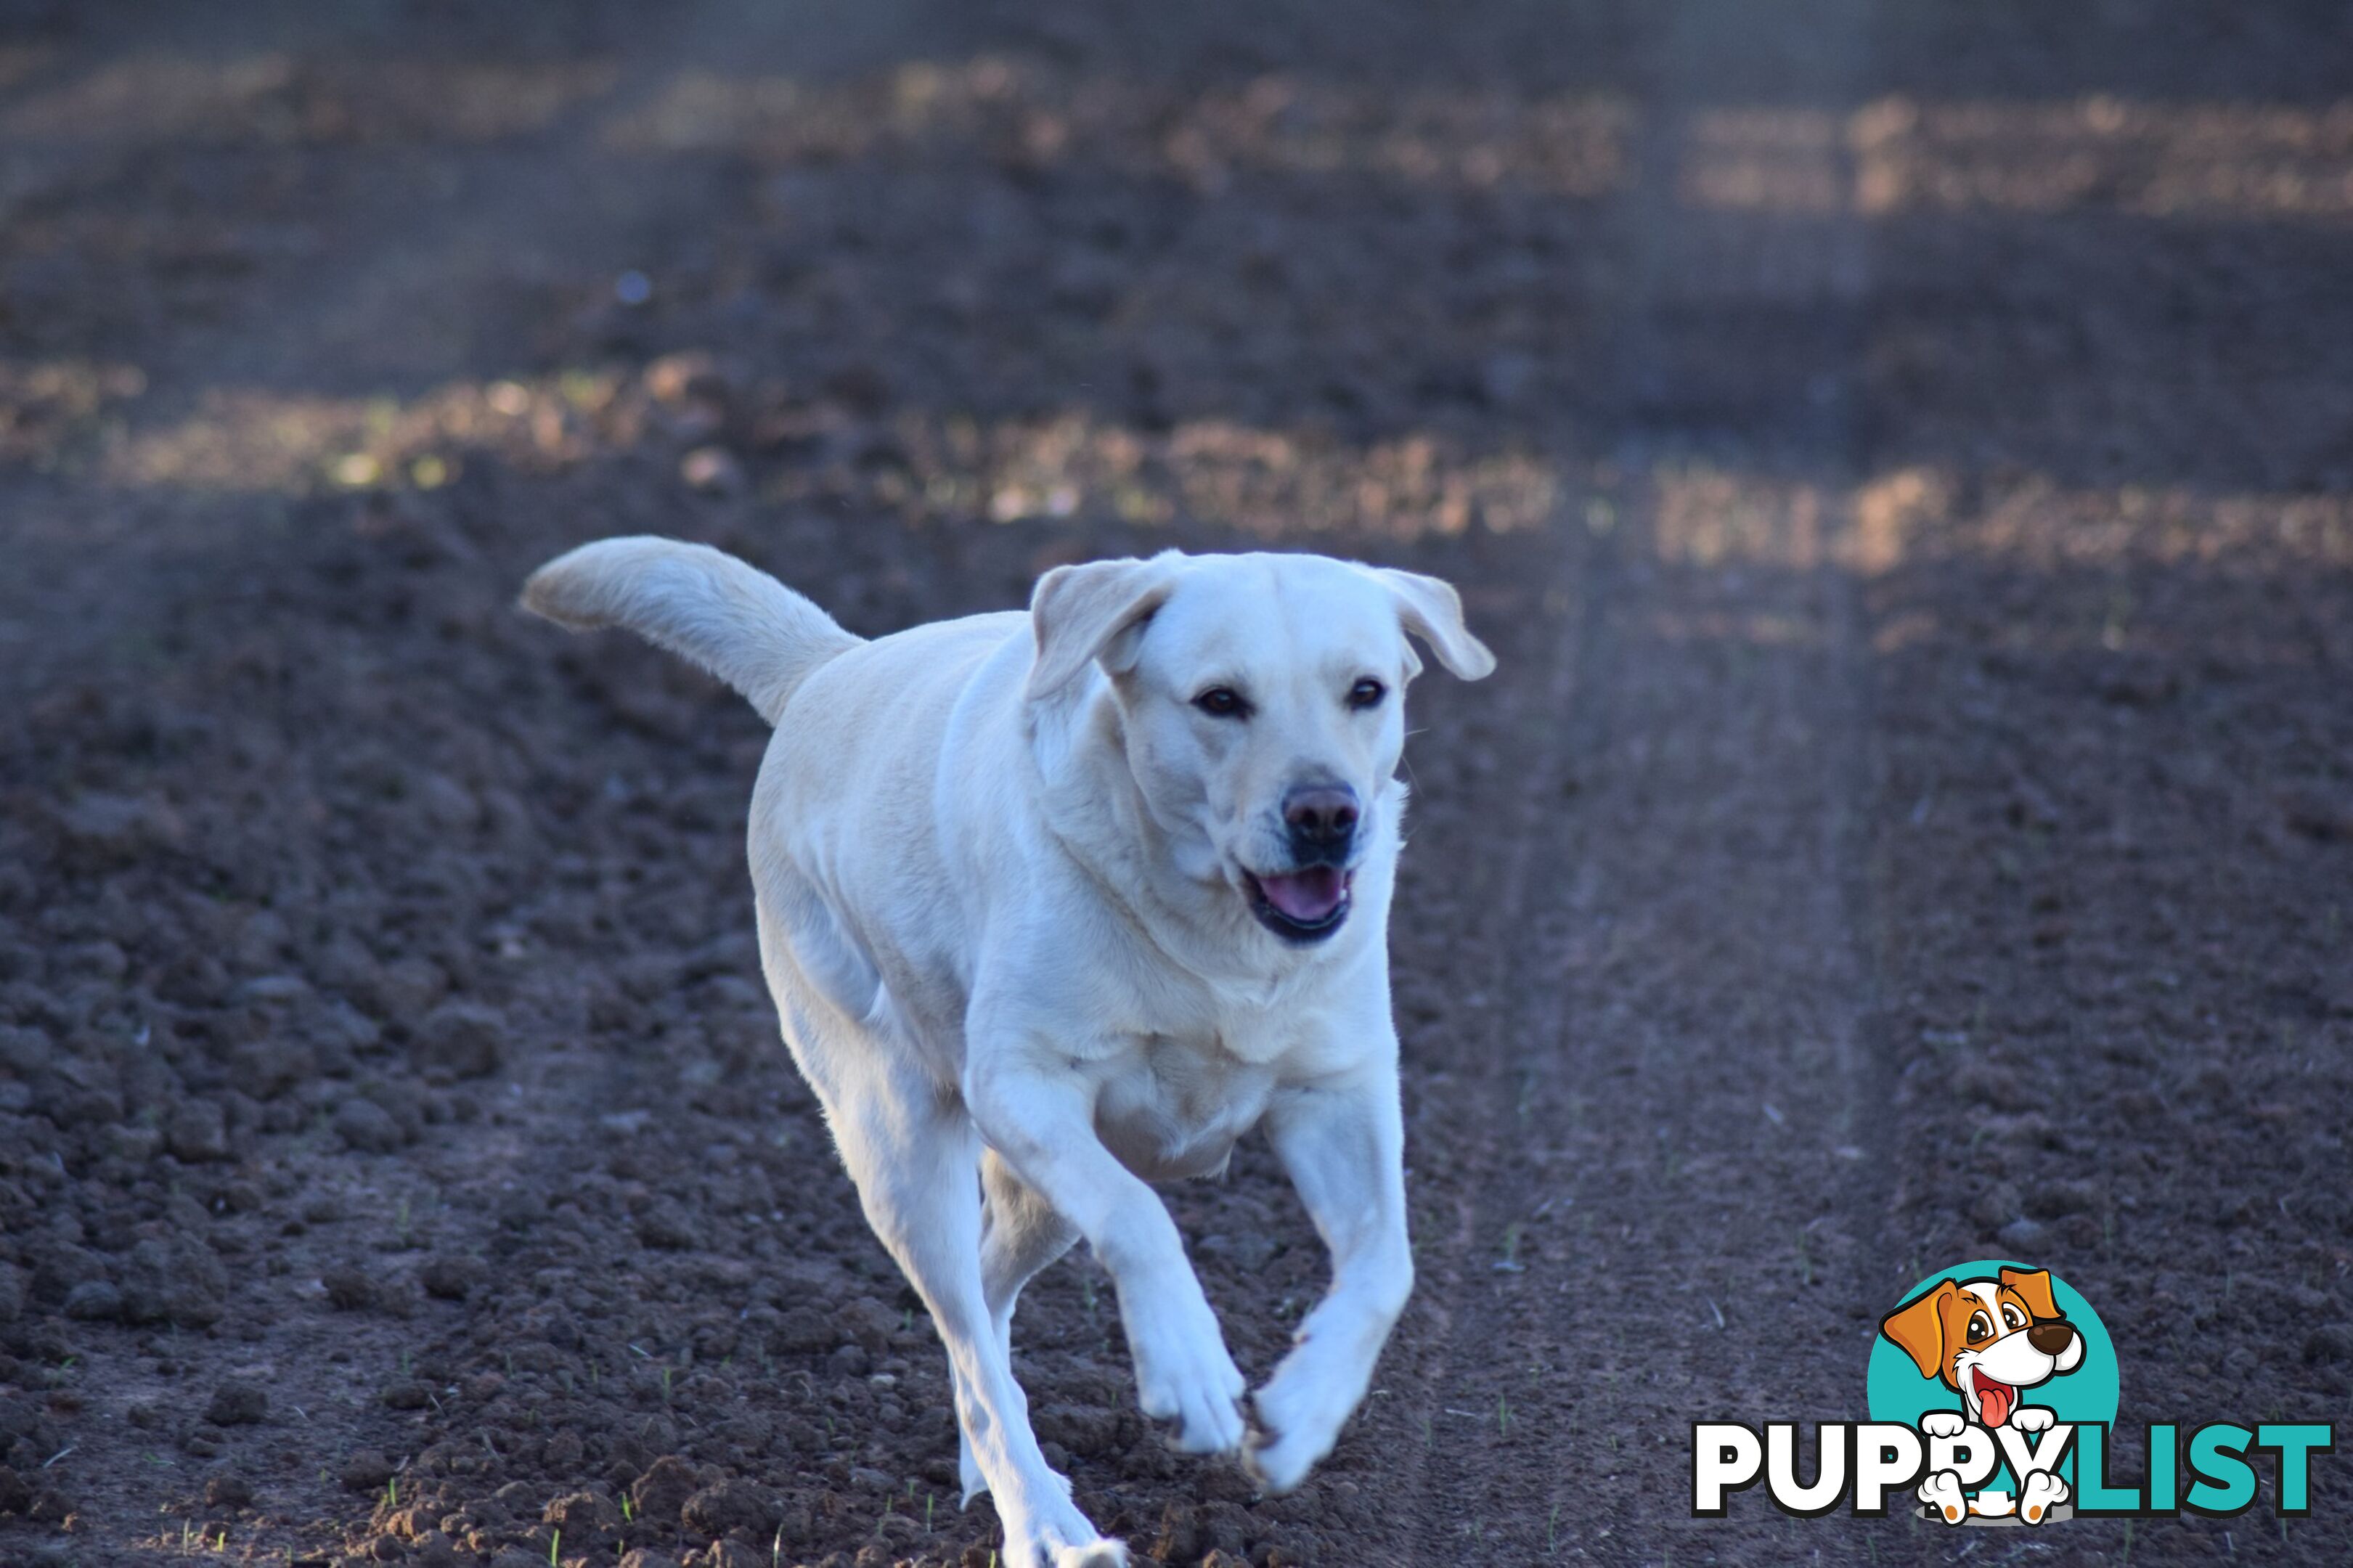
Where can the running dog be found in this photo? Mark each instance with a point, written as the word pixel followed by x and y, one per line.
pixel 1057 904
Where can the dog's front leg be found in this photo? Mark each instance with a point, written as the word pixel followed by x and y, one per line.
pixel 1037 1113
pixel 1343 1142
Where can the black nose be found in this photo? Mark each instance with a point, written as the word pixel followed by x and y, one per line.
pixel 1323 819
pixel 2052 1337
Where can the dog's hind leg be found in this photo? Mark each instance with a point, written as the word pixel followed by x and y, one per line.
pixel 1021 1233
pixel 915 1157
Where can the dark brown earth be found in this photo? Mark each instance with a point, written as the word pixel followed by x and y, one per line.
pixel 1902 453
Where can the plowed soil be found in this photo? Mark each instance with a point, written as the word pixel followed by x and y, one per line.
pixel 1903 455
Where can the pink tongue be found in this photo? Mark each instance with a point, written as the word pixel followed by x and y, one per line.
pixel 1306 896
pixel 1995 1398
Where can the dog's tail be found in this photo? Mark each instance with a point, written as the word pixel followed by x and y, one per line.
pixel 732 619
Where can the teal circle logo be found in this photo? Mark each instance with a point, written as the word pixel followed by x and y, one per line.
pixel 1985 1339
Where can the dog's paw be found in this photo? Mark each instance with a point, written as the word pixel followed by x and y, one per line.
pixel 1100 1552
pixel 2032 1418
pixel 1059 1536
pixel 1944 1422
pixel 1281 1456
pixel 1942 1492
pixel 1183 1375
pixel 2042 1492
pixel 1299 1412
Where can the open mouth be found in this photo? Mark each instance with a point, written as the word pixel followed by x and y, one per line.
pixel 1306 905
pixel 1995 1400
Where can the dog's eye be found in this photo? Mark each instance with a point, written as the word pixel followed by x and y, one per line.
pixel 1366 693
pixel 1981 1326
pixel 1223 703
pixel 2011 1318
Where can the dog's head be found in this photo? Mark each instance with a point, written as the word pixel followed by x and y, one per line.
pixel 1988 1339
pixel 1260 701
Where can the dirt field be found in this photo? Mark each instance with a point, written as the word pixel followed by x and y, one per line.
pixel 1903 455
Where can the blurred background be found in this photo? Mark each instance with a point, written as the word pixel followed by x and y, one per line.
pixel 1902 451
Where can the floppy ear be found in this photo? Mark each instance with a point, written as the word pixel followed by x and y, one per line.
pixel 1432 611
pixel 1091 611
pixel 2034 1284
pixel 1918 1329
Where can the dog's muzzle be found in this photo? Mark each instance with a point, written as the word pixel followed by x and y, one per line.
pixel 1308 902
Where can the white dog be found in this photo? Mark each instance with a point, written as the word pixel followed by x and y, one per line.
pixel 1058 904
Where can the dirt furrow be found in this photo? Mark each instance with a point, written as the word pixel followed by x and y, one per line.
pixel 1468 1071
pixel 1700 1024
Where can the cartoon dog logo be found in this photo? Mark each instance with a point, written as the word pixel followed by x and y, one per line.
pixel 1988 1341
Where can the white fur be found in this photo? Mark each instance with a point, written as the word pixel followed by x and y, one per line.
pixel 1000 868
pixel 741 624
